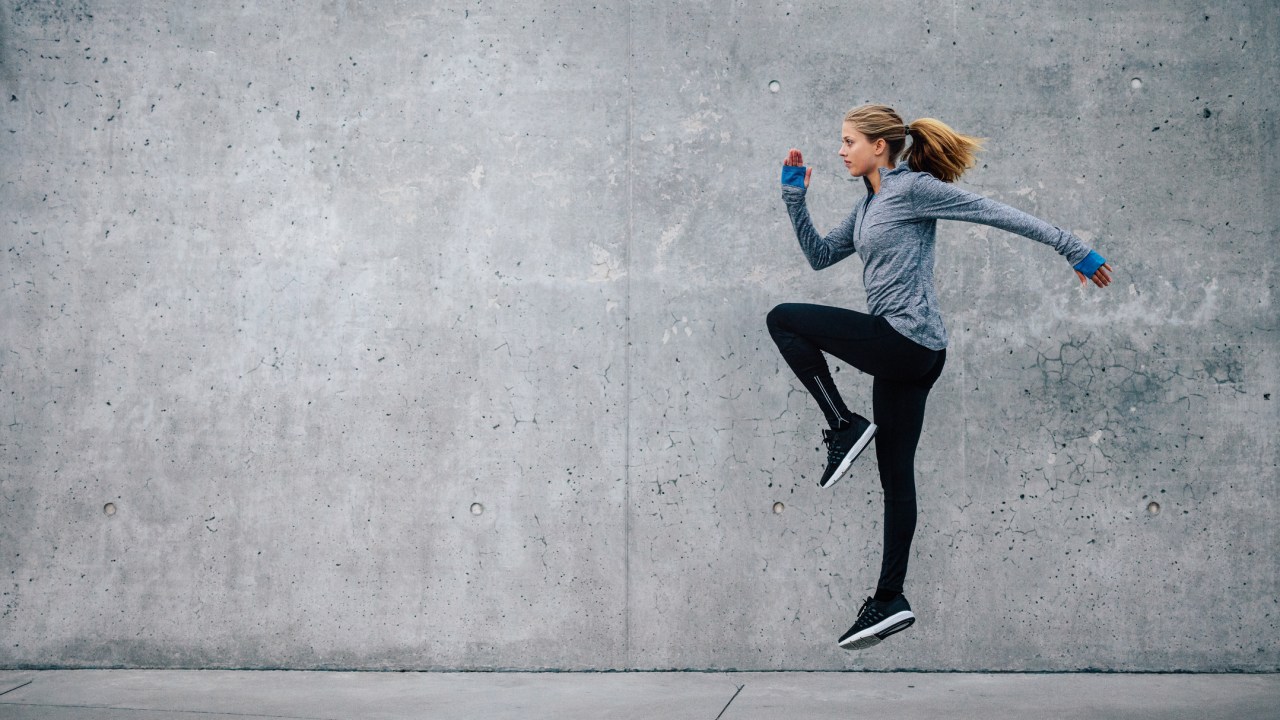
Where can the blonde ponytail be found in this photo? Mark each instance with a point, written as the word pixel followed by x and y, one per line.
pixel 935 148
pixel 941 151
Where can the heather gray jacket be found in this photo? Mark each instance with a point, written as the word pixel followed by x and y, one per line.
pixel 894 231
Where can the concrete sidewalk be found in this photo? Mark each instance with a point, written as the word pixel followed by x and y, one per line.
pixel 222 695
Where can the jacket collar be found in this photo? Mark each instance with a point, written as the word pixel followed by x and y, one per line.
pixel 901 167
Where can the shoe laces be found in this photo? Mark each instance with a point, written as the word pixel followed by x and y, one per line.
pixel 869 614
pixel 835 450
pixel 864 607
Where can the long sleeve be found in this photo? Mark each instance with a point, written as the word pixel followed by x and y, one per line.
pixel 935 199
pixel 820 251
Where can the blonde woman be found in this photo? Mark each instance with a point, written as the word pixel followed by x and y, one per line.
pixel 900 341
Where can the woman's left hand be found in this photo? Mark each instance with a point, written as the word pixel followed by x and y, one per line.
pixel 1101 276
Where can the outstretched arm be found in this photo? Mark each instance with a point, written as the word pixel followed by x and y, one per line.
pixel 938 200
pixel 821 251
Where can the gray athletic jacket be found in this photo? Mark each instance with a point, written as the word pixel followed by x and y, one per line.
pixel 894 231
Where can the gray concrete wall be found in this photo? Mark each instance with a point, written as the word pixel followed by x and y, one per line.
pixel 292 285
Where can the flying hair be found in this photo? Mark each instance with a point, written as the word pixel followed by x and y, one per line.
pixel 935 148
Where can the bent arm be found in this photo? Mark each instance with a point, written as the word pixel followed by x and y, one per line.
pixel 935 199
pixel 821 251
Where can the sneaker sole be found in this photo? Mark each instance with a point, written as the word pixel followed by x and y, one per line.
pixel 873 635
pixel 852 455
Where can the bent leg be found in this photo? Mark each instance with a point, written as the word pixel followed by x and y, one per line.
pixel 869 343
pixel 803 332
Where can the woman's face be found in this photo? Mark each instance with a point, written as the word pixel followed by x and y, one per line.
pixel 858 153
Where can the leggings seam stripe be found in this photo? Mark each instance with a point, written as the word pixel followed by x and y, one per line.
pixel 818 379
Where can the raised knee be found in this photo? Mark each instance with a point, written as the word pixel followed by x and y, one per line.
pixel 777 316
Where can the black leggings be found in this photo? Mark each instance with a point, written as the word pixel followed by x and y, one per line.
pixel 903 373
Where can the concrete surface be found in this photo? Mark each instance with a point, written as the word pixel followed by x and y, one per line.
pixel 177 695
pixel 288 288
pixel 72 695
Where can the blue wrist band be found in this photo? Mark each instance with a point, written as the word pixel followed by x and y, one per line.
pixel 1090 264
pixel 793 175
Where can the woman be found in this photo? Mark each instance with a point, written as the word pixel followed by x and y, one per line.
pixel 901 343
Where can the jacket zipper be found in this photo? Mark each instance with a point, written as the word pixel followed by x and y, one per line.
pixel 862 220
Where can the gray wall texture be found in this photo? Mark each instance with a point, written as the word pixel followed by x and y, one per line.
pixel 288 287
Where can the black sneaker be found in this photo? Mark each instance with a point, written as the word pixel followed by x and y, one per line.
pixel 844 446
pixel 877 621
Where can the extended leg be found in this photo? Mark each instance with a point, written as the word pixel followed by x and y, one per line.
pixel 899 411
pixel 899 408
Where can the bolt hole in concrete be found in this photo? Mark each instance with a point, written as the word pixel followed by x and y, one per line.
pixel 774 86
pixel 476 508
pixel 1153 508
pixel 1136 83
pixel 778 508
pixel 109 508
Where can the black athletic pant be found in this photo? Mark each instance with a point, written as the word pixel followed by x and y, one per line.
pixel 904 371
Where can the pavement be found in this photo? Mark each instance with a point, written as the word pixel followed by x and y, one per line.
pixel 248 695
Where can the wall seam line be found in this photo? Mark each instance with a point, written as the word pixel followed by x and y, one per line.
pixel 626 367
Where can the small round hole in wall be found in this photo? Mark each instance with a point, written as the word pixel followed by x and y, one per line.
pixel 774 86
pixel 109 508
pixel 1153 508
pixel 1136 83
pixel 476 508
pixel 778 508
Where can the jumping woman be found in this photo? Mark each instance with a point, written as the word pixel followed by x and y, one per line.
pixel 900 341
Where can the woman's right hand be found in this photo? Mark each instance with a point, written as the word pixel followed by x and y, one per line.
pixel 794 158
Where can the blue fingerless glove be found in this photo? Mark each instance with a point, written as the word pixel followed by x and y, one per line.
pixel 793 175
pixel 1089 265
